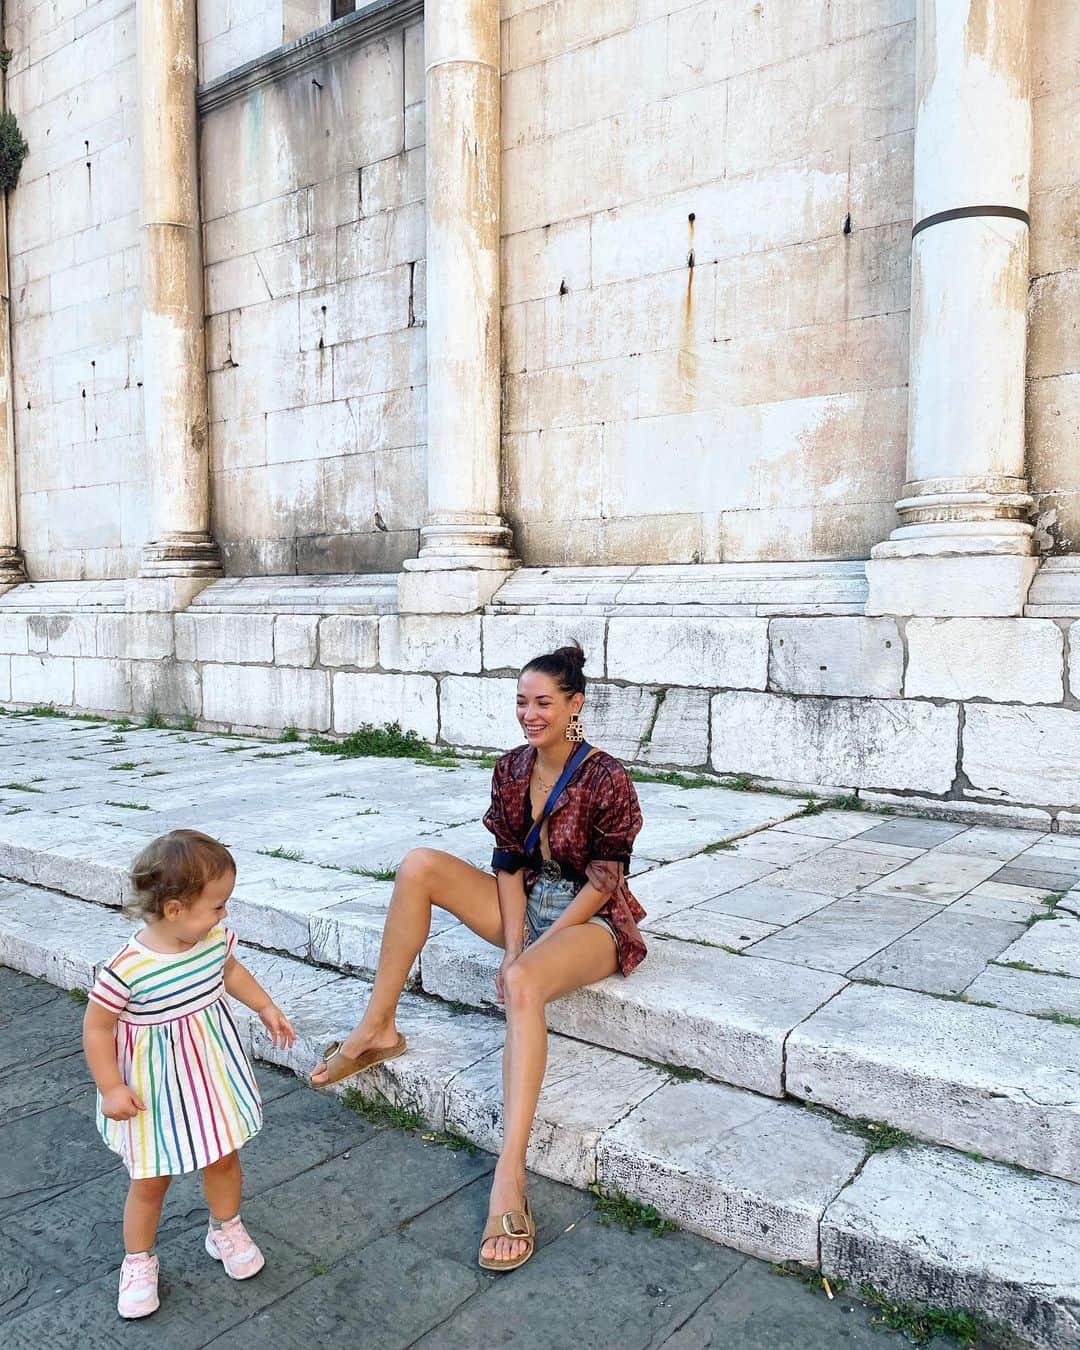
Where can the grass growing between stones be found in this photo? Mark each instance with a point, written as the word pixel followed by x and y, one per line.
pixel 78 996
pixel 20 787
pixel 670 778
pixel 721 846
pixel 682 1074
pixel 1059 1018
pixel 918 1325
pixel 287 854
pixel 879 1136
pixel 368 740
pixel 289 734
pixel 381 1112
pixel 850 801
pixel 130 806
pixel 1049 910
pixel 615 1209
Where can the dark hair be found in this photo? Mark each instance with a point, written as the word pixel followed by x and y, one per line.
pixel 565 665
pixel 176 866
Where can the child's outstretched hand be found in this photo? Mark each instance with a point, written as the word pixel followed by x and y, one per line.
pixel 121 1103
pixel 282 1032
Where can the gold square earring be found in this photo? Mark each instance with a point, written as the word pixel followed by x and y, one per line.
pixel 575 731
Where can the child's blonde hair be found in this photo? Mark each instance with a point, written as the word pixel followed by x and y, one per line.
pixel 176 866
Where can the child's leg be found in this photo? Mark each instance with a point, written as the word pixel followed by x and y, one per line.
pixel 142 1212
pixel 222 1183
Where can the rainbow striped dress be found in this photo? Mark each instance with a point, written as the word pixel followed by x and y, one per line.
pixel 178 1047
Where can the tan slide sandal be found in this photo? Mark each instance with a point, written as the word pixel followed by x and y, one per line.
pixel 515 1224
pixel 340 1066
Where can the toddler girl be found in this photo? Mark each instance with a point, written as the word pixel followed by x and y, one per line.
pixel 175 1090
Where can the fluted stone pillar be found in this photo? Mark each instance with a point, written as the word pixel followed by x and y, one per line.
pixel 465 549
pixel 173 356
pixel 965 544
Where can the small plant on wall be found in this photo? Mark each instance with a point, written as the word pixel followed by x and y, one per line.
pixel 13 150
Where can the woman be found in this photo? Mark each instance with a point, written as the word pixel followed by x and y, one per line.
pixel 558 904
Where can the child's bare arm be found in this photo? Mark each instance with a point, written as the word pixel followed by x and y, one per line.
pixel 118 1101
pixel 242 985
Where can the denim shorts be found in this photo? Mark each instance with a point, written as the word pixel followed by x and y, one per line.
pixel 546 901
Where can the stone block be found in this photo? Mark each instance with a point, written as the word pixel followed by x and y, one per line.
pixel 978 1079
pixel 349 640
pixel 296 640
pixel 842 742
pixel 938 876
pixel 479 712
pixel 233 639
pixel 1004 660
pixel 715 653
pixel 1026 991
pixel 1027 755
pixel 839 656
pixel 102 685
pixel 5 678
pixel 252 696
pixel 586 1090
pixel 951 587
pixel 71 634
pixel 943 955
pixel 14 634
pixel 1074 659
pixel 51 937
pixel 43 679
pixel 512 640
pixel 460 590
pixel 435 643
pixel 166 685
pixel 409 700
pixel 1052 946
pixel 720 1163
pixel 138 636
pixel 916 1222
pixel 843 934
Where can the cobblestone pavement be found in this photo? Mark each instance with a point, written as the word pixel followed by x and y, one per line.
pixel 369 1235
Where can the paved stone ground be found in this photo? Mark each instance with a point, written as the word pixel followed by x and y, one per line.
pixel 369 1235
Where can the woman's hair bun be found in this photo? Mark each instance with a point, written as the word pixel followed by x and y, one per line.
pixel 565 665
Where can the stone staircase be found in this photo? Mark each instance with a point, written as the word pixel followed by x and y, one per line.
pixel 741 1153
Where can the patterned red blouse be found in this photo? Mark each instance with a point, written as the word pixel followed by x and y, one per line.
pixel 591 830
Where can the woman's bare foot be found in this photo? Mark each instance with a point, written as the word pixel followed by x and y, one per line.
pixel 507 1194
pixel 360 1039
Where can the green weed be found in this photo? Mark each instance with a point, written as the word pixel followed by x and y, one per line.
pixel 382 1111
pixel 288 854
pixel 124 766
pixel 922 1325
pixel 385 742
pixel 880 1137
pixel 153 720
pixel 850 801
pixel 671 778
pixel 374 873
pixel 20 787
pixel 289 734
pixel 741 782
pixel 615 1208
pixel 130 806
pixel 682 1074
pixel 721 846
pixel 1062 1019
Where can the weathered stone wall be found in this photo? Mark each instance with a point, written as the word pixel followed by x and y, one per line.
pixel 313 188
pixel 234 31
pixel 707 215
pixel 1054 302
pixel 74 244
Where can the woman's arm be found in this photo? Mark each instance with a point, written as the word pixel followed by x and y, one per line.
pixel 512 909
pixel 241 984
pixel 587 903
pixel 118 1101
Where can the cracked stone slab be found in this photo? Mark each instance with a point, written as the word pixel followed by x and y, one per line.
pixel 710 929
pixel 943 955
pixel 695 1006
pixel 845 933
pixel 51 937
pixel 981 1079
pixel 1051 945
pixel 935 1227
pixel 1027 991
pixel 994 901
pixel 766 903
pixel 938 877
pixel 586 1091
pixel 836 872
pixel 720 1162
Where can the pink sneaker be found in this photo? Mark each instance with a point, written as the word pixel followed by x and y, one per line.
pixel 231 1245
pixel 138 1286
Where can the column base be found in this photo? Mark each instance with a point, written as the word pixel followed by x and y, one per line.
pixel 461 566
pixel 12 567
pixel 950 586
pixel 181 555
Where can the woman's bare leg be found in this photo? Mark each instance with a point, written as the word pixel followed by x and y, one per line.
pixel 427 877
pixel 559 963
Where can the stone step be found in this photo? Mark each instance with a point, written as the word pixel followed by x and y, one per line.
pixel 1001 1083
pixel 770 1178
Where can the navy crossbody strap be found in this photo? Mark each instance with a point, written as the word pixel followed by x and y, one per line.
pixel 574 763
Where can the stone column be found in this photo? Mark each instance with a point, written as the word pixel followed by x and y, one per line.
pixel 12 567
pixel 965 545
pixel 465 549
pixel 173 350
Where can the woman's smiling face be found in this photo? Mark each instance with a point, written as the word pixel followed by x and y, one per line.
pixel 543 709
